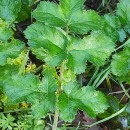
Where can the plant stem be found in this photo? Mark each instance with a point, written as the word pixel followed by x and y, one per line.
pixel 108 84
pixel 125 91
pixel 23 64
pixel 93 77
pixel 108 118
pixel 121 46
pixel 57 96
pixel 100 77
pixel 56 116
pixel 59 90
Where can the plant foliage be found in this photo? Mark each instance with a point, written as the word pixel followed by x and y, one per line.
pixel 64 36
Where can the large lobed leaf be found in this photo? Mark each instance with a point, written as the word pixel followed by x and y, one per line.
pixel 96 47
pixel 47 98
pixel 68 13
pixel 49 44
pixel 29 88
pixel 83 21
pixel 112 27
pixel 19 88
pixel 42 94
pixel 74 98
pixel 49 12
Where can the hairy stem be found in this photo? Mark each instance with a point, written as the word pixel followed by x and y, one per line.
pixel 59 90
pixel 56 116
pixel 23 64
pixel 57 96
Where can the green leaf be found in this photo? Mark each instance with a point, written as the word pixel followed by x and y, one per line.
pixel 67 108
pixel 49 12
pixel 67 105
pixel 9 9
pixel 47 43
pixel 41 108
pixel 6 122
pixel 123 11
pixel 7 72
pixel 47 100
pixel 5 31
pixel 93 102
pixel 111 26
pixel 97 45
pixel 121 63
pixel 29 88
pixel 25 11
pixel 75 98
pixel 68 13
pixel 77 61
pixel 77 58
pixel 70 6
pixel 83 21
pixel 24 86
pixel 10 50
pixel 122 35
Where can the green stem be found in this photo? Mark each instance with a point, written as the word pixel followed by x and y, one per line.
pixel 101 76
pixel 59 90
pixel 102 79
pixel 93 77
pixel 23 64
pixel 121 46
pixel 57 96
pixel 56 116
pixel 78 126
pixel 108 83
pixel 125 91
pixel 108 118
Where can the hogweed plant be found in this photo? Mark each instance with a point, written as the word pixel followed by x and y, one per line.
pixel 67 37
